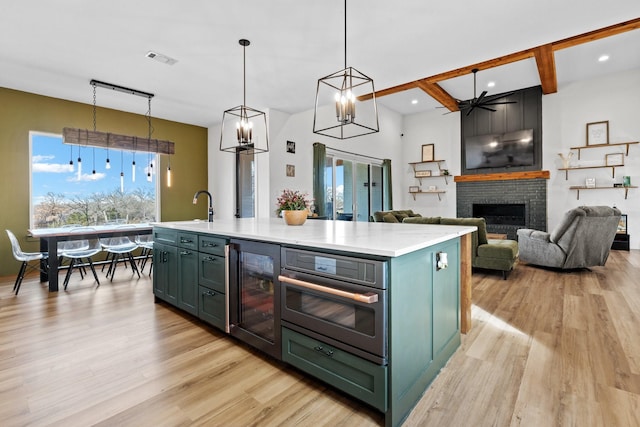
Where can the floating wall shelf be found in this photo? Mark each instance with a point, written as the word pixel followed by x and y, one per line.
pixel 581 187
pixel 582 147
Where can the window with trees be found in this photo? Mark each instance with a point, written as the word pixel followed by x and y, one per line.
pixel 72 185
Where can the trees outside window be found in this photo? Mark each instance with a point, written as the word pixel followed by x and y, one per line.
pixel 65 193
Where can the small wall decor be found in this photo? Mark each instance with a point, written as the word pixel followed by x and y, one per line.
pixel 421 174
pixel 590 183
pixel 427 153
pixel 291 170
pixel 598 133
pixel 291 147
pixel 433 188
pixel 414 189
pixel 626 181
pixel 614 159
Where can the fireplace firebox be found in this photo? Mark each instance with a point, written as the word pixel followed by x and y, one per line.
pixel 501 213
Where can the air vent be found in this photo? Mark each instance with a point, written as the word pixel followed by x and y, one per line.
pixel 161 58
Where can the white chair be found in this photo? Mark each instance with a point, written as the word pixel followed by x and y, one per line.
pixel 145 242
pixel 25 258
pixel 76 251
pixel 119 248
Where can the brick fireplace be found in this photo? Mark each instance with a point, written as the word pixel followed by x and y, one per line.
pixel 508 201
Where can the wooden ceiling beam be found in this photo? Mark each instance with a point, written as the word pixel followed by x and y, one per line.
pixel 544 59
pixel 546 68
pixel 442 96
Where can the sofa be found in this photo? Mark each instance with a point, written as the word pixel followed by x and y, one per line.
pixel 582 239
pixel 492 254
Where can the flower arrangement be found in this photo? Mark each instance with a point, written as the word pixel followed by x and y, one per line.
pixel 292 200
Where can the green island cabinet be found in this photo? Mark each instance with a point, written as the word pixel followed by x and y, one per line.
pixel 189 273
pixel 423 317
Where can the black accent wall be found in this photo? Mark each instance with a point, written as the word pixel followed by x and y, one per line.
pixel 526 113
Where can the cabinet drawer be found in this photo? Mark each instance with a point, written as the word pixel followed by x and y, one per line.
pixel 188 241
pixel 212 307
pixel 165 235
pixel 211 245
pixel 211 271
pixel 351 374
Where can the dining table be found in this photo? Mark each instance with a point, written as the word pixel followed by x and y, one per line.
pixel 49 238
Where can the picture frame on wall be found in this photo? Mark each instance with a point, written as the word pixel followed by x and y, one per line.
pixel 291 170
pixel 614 159
pixel 422 174
pixel 598 133
pixel 291 147
pixel 414 189
pixel 590 183
pixel 427 152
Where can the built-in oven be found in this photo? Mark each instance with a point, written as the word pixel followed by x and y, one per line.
pixel 339 299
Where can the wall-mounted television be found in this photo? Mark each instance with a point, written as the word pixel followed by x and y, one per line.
pixel 500 150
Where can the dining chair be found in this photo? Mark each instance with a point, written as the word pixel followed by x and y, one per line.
pixel 25 258
pixel 145 242
pixel 76 251
pixel 119 248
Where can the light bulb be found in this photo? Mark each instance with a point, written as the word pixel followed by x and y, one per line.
pixel 108 165
pixel 133 171
pixel 169 176
pixel 122 182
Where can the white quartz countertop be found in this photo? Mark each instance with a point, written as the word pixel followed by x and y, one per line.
pixel 374 238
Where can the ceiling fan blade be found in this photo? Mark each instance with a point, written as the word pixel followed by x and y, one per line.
pixel 482 95
pixel 498 96
pixel 486 108
pixel 473 107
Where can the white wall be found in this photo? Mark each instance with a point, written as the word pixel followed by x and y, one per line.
pixel 564 117
pixel 442 130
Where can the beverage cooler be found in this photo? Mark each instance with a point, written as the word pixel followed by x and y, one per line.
pixel 255 295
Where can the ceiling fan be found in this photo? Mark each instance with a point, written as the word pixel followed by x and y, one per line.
pixel 483 101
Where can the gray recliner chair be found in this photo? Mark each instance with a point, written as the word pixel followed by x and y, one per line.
pixel 582 239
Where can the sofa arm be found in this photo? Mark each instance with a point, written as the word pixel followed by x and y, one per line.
pixel 528 233
pixel 536 247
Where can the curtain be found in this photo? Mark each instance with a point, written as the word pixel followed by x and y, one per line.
pixel 386 191
pixel 319 186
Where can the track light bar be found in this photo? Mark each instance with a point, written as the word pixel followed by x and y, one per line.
pixel 121 89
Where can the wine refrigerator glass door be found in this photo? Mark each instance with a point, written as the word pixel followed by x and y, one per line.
pixel 255 296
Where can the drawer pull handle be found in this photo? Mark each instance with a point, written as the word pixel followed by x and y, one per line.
pixel 209 259
pixel 368 298
pixel 186 241
pixel 209 293
pixel 209 245
pixel 320 349
pixel 185 253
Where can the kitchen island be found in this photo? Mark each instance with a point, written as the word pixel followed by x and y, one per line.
pixel 392 341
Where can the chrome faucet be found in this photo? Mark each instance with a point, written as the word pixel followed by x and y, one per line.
pixel 195 200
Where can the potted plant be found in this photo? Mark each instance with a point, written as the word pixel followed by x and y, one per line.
pixel 294 206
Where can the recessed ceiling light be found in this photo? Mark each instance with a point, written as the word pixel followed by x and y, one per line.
pixel 414 101
pixel 161 58
pixel 491 84
pixel 603 58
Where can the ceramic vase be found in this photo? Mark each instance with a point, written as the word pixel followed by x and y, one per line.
pixel 295 217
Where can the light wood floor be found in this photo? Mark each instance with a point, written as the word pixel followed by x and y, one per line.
pixel 546 349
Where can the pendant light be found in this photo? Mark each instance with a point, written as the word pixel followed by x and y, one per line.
pixel 122 171
pixel 249 134
pixel 336 100
pixel 133 163
pixel 93 173
pixel 108 164
pixel 71 159
pixel 149 162
pixel 169 172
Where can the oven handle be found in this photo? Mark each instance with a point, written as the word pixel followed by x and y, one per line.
pixel 368 298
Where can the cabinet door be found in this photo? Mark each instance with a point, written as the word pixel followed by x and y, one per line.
pixel 165 275
pixel 211 271
pixel 212 307
pixel 188 280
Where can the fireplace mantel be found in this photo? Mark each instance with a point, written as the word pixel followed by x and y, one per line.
pixel 502 176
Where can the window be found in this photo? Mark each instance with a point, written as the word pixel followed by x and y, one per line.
pixel 64 194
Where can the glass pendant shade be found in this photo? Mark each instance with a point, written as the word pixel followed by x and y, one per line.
pixel 338 113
